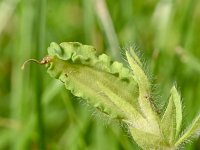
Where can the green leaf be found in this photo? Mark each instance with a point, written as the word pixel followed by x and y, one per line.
pixel 172 118
pixel 191 132
pixel 78 67
pixel 144 98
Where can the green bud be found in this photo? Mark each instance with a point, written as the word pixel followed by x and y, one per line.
pixel 120 93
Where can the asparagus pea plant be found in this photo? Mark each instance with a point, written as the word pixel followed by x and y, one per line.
pixel 122 93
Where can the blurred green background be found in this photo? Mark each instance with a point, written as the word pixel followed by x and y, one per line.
pixel 38 113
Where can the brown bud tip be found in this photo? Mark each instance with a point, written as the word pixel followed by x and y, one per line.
pixel 45 60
